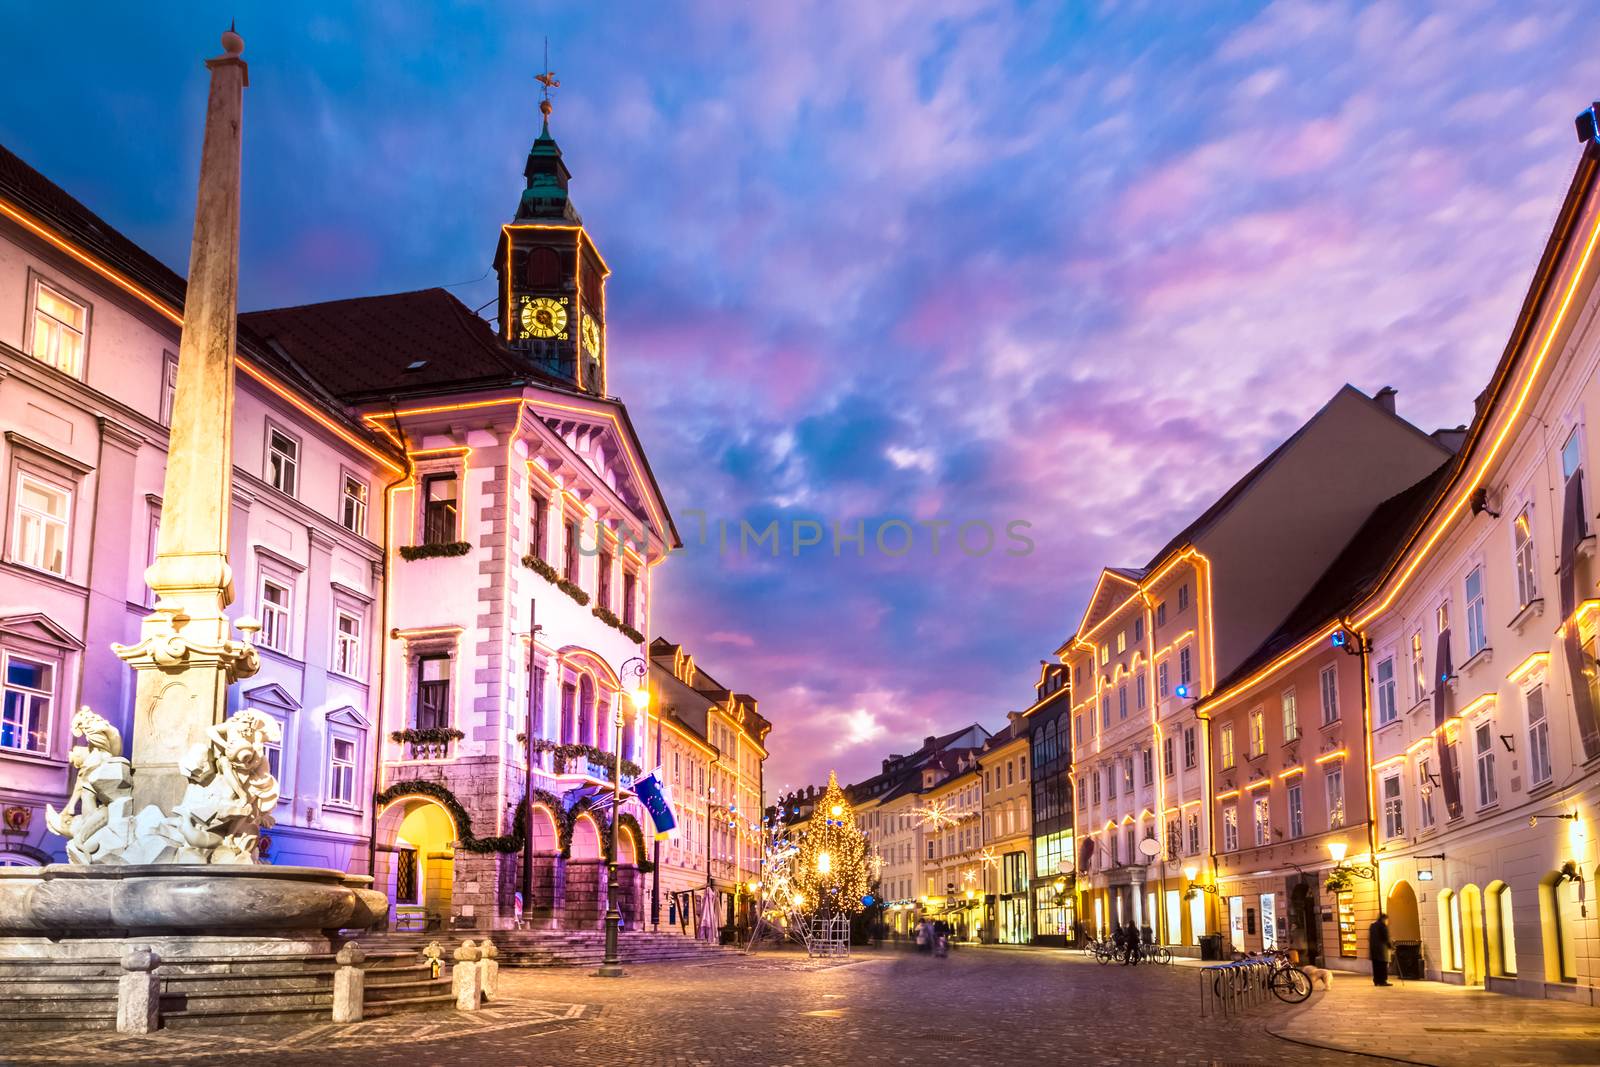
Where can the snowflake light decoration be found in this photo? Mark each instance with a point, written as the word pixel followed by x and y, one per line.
pixel 939 814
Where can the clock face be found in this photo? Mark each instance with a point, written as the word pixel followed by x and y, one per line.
pixel 591 335
pixel 543 317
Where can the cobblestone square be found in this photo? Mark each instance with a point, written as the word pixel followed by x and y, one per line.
pixel 885 1007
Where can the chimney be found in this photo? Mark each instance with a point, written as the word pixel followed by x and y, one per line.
pixel 1385 398
pixel 927 742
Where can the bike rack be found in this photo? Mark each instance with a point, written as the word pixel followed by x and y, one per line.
pixel 1235 987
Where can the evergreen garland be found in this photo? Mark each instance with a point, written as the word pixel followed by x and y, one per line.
pixel 433 551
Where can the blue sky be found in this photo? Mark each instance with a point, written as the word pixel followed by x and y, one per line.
pixel 1077 265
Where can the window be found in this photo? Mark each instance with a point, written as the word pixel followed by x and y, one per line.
pixel 1163 683
pixel 1105 655
pixel 1297 815
pixel 353 505
pixel 274 609
pixel 1122 701
pixel 1105 711
pixel 1538 738
pixel 1122 642
pixel 570 569
pixel 1441 616
pixel 1477 634
pixel 1094 786
pixel 1184 673
pixel 1291 717
pixel 342 772
pixel 1149 766
pixel 1183 597
pixel 1138 629
pixel 1168 765
pixel 1258 732
pixel 59 324
pixel 1188 748
pixel 1127 774
pixel 1330 695
pixel 1263 817
pixel 39 527
pixel 1194 833
pixel 1141 693
pixel 283 461
pixel 1230 829
pixel 1394 808
pixel 1526 556
pixel 433 692
pixel 1077 728
pixel 274 753
pixel 1483 743
pixel 439 509
pixel 1225 739
pixel 169 386
pixel 539 510
pixel 1333 789
pixel 1424 794
pixel 29 690
pixel 347 644
pixel 1161 613
pixel 1571 466
pixel 1419 673
pixel 1387 709
pixel 1022 767
pixel 603 581
pixel 630 583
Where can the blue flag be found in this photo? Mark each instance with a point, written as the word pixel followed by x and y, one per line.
pixel 654 796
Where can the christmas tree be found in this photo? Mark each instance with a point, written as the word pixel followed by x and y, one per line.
pixel 831 871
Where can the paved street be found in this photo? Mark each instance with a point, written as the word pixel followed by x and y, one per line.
pixel 979 1006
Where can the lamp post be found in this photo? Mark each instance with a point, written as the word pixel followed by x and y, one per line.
pixel 639 693
pixel 1337 850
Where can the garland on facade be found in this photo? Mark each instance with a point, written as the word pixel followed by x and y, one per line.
pixel 548 573
pixel 569 751
pixel 609 617
pixel 410 553
pixel 511 842
pixel 434 735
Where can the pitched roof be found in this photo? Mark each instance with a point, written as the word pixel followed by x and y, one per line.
pixel 1352 574
pixel 378 345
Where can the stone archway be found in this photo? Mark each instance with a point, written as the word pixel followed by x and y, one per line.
pixel 583 902
pixel 543 904
pixel 1473 954
pixel 630 879
pixel 416 861
pixel 1405 919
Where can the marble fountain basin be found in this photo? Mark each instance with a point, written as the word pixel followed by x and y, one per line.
pixel 113 900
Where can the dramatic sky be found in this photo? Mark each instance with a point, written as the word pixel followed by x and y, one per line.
pixel 1074 265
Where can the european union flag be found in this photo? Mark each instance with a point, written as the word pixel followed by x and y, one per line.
pixel 654 797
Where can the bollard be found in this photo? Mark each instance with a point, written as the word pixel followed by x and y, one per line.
pixel 139 992
pixel 465 980
pixel 488 969
pixel 349 984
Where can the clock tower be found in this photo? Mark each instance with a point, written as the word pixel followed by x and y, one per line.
pixel 552 279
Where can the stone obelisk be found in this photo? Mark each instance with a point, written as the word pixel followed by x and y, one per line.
pixel 186 658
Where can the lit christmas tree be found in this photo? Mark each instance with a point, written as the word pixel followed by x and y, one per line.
pixel 830 872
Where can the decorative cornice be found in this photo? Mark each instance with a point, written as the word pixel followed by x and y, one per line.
pixel 28 444
pixel 115 433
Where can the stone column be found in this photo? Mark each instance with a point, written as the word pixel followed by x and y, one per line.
pixel 139 992
pixel 466 982
pixel 349 984
pixel 185 658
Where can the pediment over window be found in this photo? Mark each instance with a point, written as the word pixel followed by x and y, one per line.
pixel 348 716
pixel 36 626
pixel 271 695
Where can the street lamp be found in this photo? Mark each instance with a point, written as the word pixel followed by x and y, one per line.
pixel 1337 850
pixel 639 692
pixel 1191 873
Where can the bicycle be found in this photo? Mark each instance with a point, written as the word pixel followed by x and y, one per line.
pixel 1286 980
pixel 1158 954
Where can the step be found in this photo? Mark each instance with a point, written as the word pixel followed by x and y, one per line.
pixel 14 1004
pixel 388 994
pixel 208 983
pixel 433 1002
pixel 243 1016
pixel 96 1020
pixel 246 1001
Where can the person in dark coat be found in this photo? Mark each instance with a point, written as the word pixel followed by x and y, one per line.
pixel 1379 945
pixel 1119 942
pixel 1130 940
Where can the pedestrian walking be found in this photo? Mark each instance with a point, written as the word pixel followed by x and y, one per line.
pixel 1130 941
pixel 1380 947
pixel 922 936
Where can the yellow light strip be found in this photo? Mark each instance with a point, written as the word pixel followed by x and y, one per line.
pixel 1389 762
pixel 1528 666
pixel 1485 701
pixel 446 450
pixel 1292 771
pixel 1229 795
pixel 549 478
pixel 1428 740
pixel 1583 611
pixel 428 631
pixel 162 307
pixel 1340 754
pixel 1259 783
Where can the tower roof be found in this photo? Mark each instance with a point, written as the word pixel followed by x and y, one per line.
pixel 547 174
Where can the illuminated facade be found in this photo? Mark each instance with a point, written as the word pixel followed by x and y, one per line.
pixel 444 526
pixel 1153 640
pixel 1005 876
pixel 709 745
pixel 1053 856
pixel 951 813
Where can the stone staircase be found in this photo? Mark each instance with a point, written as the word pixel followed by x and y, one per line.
pixel 81 994
pixel 557 948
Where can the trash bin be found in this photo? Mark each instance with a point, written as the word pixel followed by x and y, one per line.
pixel 1211 946
pixel 1408 960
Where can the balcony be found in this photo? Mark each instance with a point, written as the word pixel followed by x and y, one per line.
pixel 594 764
pixel 433 743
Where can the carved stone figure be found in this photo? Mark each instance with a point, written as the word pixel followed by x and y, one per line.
pixel 102 791
pixel 230 795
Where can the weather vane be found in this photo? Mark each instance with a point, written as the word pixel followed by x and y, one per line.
pixel 548 80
